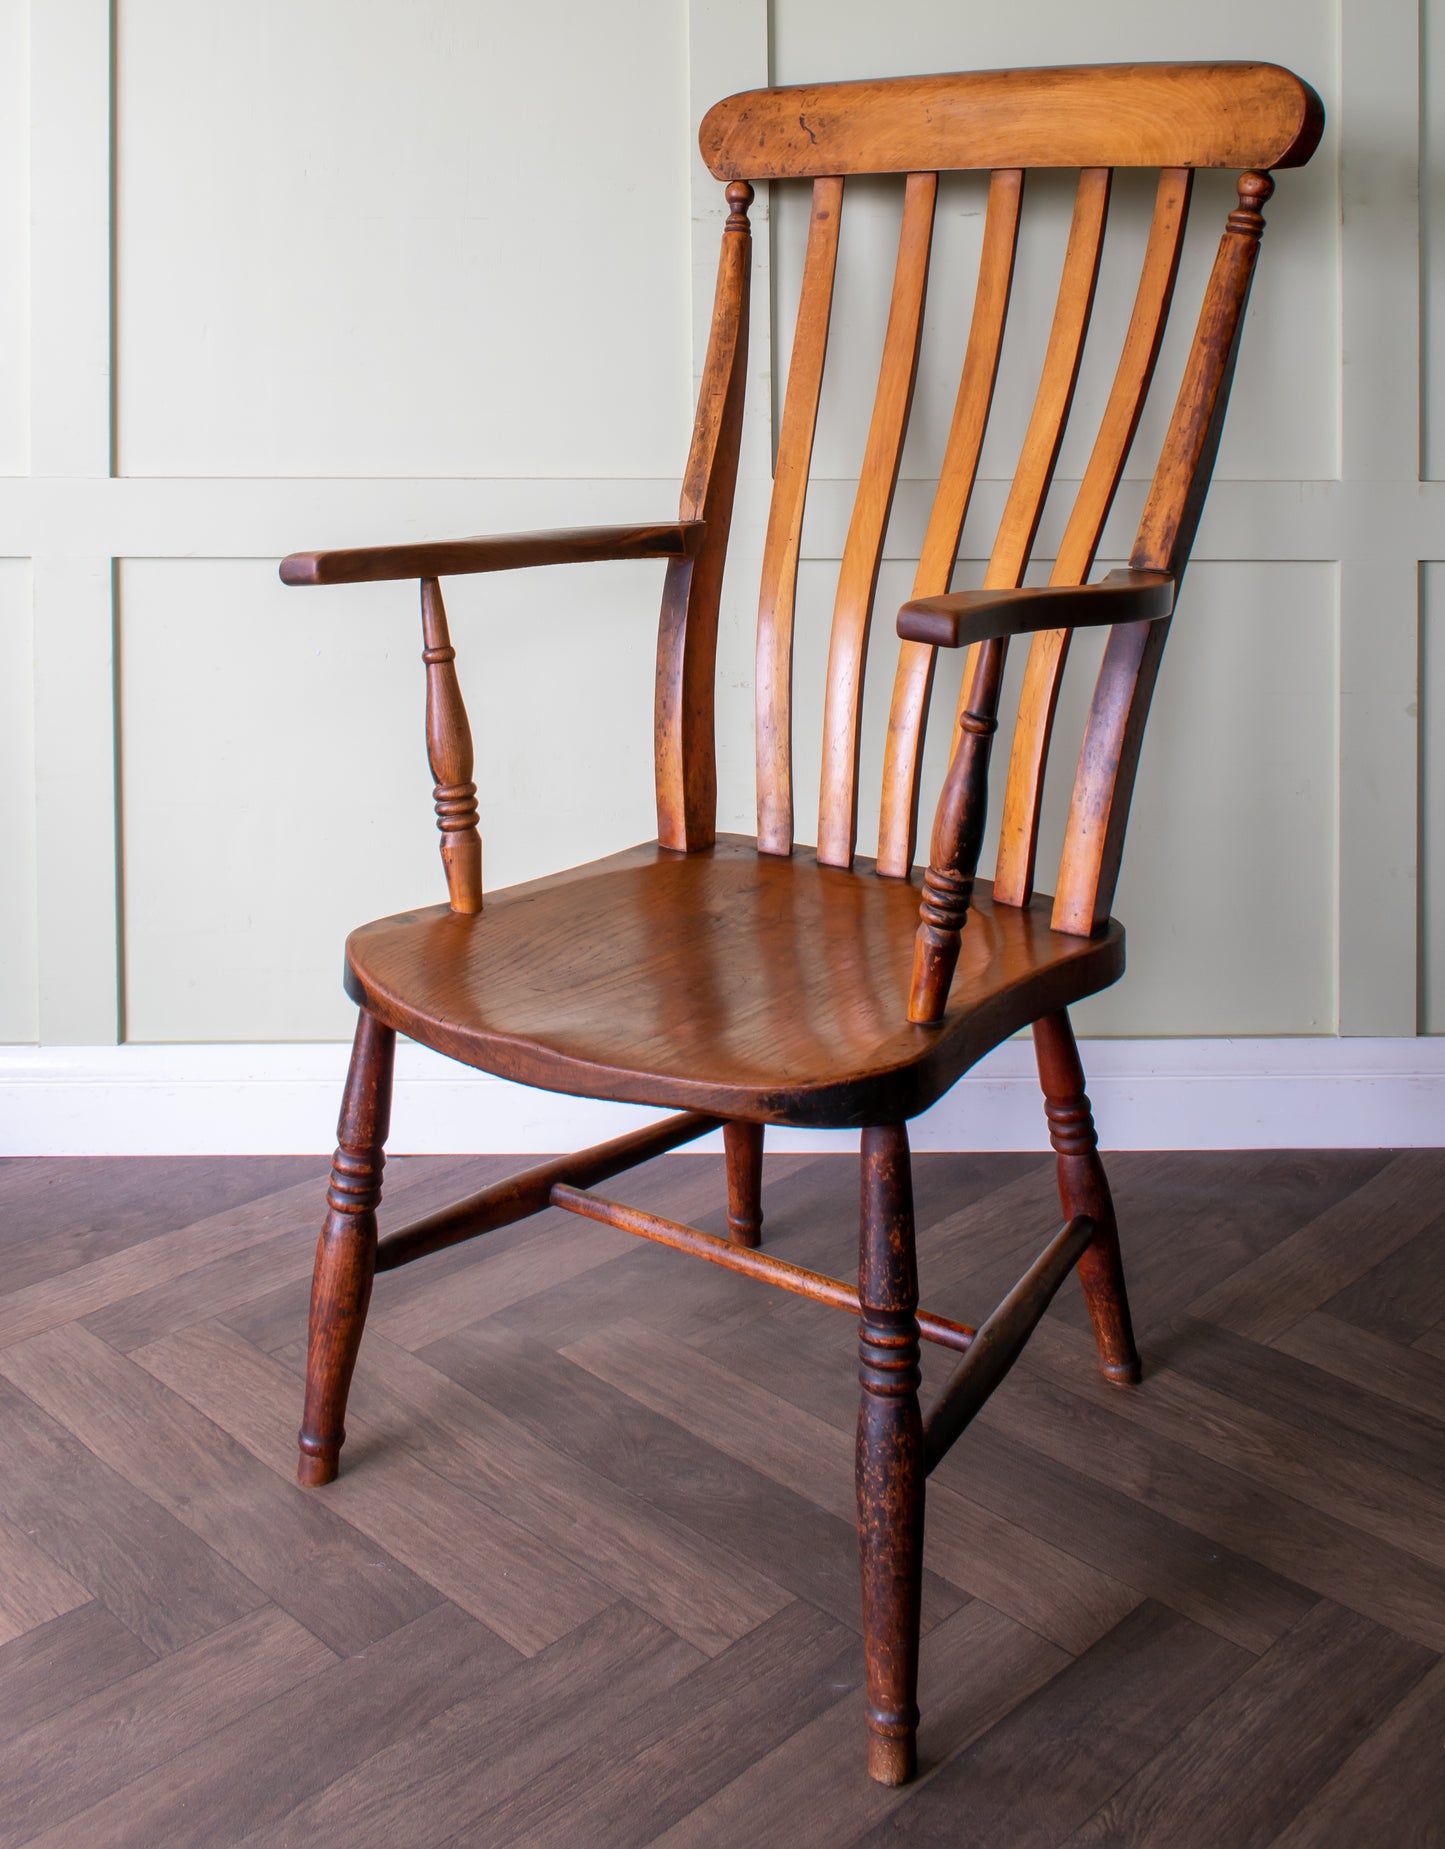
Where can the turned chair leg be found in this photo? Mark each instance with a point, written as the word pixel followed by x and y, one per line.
pixel 744 1146
pixel 1083 1188
pixel 890 1462
pixel 346 1251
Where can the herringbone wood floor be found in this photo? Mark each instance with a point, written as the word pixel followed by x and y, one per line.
pixel 588 1576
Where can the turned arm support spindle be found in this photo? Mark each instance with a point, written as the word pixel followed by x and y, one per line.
pixel 449 749
pixel 449 738
pixel 956 843
pixel 988 618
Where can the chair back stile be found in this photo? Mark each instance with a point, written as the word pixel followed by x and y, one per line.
pixel 1109 756
pixel 1023 796
pixel 1173 118
pixel 684 749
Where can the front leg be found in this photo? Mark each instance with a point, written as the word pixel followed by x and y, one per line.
pixel 890 1467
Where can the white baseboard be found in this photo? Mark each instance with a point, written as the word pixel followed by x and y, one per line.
pixel 1148 1094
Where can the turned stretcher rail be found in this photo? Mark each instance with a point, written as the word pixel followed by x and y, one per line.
pixel 1000 1341
pixel 777 1271
pixel 520 1196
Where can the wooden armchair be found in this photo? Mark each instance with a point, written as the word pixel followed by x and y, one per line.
pixel 742 982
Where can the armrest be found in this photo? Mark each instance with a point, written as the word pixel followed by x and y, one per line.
pixel 965 617
pixel 442 558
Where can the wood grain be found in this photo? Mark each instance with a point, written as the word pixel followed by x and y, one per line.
pixel 1114 115
pixel 671 1753
pixel 1345 1241
pixel 958 826
pixel 744 1146
pixel 453 1541
pixel 913 681
pixel 424 1784
pixel 1402 1376
pixel 863 548
pixel 684 747
pixel 271 1757
pixel 958 619
pixel 63 1220
pixel 692 1476
pixel 977 1667
pixel 137 1560
pixel 1315 1548
pixel 57 1665
pixel 1391 1788
pixel 1038 699
pixel 75 1759
pixel 986 1555
pixel 33 1589
pixel 299 1552
pixel 1108 1713
pixel 1210 1611
pixel 445 558
pixel 778 597
pixel 449 752
pixel 700 1590
pixel 1274 1737
pixel 727 982
pixel 1263 1446
pixel 1403 1296
pixel 1063 356
pixel 1114 732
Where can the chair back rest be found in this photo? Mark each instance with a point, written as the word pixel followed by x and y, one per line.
pixel 1174 117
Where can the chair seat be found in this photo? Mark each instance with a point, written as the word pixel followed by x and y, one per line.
pixel 725 981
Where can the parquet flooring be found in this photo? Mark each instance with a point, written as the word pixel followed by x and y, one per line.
pixel 588 1577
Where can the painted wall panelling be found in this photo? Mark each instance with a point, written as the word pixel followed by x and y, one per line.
pixel 18 968
pixel 1330 502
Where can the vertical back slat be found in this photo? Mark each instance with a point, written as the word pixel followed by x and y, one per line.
pixel 1104 785
pixel 863 550
pixel 1065 351
pixel 913 683
pixel 777 600
pixel 1018 837
pixel 983 672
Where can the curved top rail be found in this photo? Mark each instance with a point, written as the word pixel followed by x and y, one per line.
pixel 1084 115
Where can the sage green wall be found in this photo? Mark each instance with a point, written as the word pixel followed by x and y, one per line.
pixel 456 286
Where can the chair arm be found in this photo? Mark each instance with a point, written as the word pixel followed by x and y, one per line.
pixel 988 618
pixel 441 558
pixel 965 617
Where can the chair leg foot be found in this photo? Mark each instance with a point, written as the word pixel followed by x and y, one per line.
pixel 346 1252
pixel 315 1469
pixel 1084 1188
pixel 744 1145
pixel 890 1467
pixel 893 1760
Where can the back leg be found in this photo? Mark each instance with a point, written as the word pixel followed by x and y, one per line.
pixel 1084 1188
pixel 346 1251
pixel 744 1146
